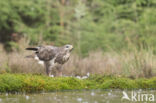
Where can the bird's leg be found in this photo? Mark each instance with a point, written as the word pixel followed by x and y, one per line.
pixel 48 72
pixel 59 71
pixel 48 69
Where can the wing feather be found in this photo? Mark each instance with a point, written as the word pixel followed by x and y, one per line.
pixel 46 53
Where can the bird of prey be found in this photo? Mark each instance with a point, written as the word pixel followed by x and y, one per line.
pixel 52 56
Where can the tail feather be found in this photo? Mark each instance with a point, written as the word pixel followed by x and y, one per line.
pixel 34 49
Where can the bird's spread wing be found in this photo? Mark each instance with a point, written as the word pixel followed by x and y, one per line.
pixel 46 53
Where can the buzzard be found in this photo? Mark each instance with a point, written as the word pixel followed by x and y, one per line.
pixel 52 56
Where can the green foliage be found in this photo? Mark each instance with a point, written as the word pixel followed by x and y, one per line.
pixel 145 83
pixel 89 25
pixel 119 83
pixel 38 83
pixel 115 24
pixel 28 17
pixel 11 83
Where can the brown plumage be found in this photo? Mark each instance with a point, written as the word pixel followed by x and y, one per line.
pixel 52 56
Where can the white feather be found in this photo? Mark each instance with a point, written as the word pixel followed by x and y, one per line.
pixel 51 76
pixel 66 56
pixel 36 58
pixel 84 77
pixel 41 62
pixel 88 74
pixel 78 77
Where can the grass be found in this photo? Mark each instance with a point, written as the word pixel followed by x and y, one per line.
pixel 130 64
pixel 38 83
pixel 133 63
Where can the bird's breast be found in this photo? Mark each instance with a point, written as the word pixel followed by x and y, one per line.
pixel 66 57
pixel 62 58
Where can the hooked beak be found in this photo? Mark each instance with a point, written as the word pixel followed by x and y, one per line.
pixel 71 48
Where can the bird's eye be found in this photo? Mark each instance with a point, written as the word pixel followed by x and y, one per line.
pixel 67 46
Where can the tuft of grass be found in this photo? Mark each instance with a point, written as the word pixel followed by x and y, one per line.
pixel 38 83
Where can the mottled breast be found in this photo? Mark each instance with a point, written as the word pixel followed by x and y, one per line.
pixel 66 57
pixel 62 58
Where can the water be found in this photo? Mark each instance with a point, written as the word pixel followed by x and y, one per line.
pixel 92 96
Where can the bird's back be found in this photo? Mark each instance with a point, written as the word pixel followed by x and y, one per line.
pixel 46 53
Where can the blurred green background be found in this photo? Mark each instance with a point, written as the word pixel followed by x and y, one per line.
pixel 87 24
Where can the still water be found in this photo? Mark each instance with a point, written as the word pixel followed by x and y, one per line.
pixel 92 96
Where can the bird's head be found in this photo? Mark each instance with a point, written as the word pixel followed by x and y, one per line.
pixel 68 47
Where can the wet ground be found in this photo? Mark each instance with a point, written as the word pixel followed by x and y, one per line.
pixel 83 96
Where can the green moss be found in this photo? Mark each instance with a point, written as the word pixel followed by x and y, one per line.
pixel 38 83
pixel 119 83
pixel 147 83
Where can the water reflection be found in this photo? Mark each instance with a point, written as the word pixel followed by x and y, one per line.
pixel 93 96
